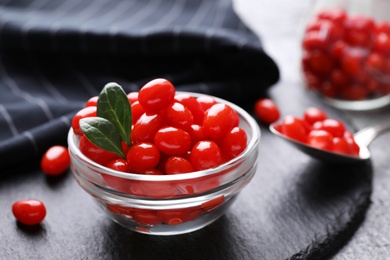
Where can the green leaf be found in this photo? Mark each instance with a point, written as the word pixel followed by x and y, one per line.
pixel 114 106
pixel 103 134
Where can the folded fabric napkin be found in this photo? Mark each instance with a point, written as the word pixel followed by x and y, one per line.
pixel 55 54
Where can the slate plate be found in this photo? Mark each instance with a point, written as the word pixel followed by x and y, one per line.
pixel 294 208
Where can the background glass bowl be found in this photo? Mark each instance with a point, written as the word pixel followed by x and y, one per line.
pixel 168 204
pixel 346 54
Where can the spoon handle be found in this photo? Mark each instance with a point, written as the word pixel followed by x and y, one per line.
pixel 366 135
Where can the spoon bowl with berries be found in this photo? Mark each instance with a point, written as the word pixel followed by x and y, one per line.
pixel 327 139
pixel 162 162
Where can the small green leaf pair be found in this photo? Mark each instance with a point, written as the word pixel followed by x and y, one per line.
pixel 112 126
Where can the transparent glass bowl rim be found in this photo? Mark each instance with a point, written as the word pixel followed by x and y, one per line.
pixel 252 144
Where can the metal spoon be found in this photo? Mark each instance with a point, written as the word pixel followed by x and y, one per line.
pixel 363 138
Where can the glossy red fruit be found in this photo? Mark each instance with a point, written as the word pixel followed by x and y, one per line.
pixel 177 164
pixel 358 30
pixel 320 63
pixel 132 97
pixel 320 34
pixel 375 62
pixel 206 102
pixel 29 212
pixel 335 15
pixel 118 165
pixel 315 40
pixel 146 127
pixel 338 49
pixel 92 102
pixel 95 153
pixel 172 141
pixel 335 127
pixel 382 27
pixel 56 160
pixel 178 115
pixel 113 181
pixel 267 111
pixel 352 61
pixel 308 127
pixel 219 120
pixel 234 143
pixel 142 156
pixel 156 95
pixel 205 155
pixel 340 145
pixel 382 43
pixel 293 128
pixel 83 113
pixel 193 105
pixel 136 111
pixel 355 149
pixel 314 114
pixel 314 25
pixel 320 139
pixel 197 133
pixel 125 148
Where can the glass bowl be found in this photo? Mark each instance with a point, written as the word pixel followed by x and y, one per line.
pixel 346 54
pixel 168 204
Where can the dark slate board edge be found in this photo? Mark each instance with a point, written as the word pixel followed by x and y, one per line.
pixel 330 244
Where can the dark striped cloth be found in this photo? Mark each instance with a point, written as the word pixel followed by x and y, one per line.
pixel 55 54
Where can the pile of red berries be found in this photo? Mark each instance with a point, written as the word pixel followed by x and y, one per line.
pixel 317 130
pixel 347 56
pixel 172 133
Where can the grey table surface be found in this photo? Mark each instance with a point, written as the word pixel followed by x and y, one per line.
pixel 279 23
